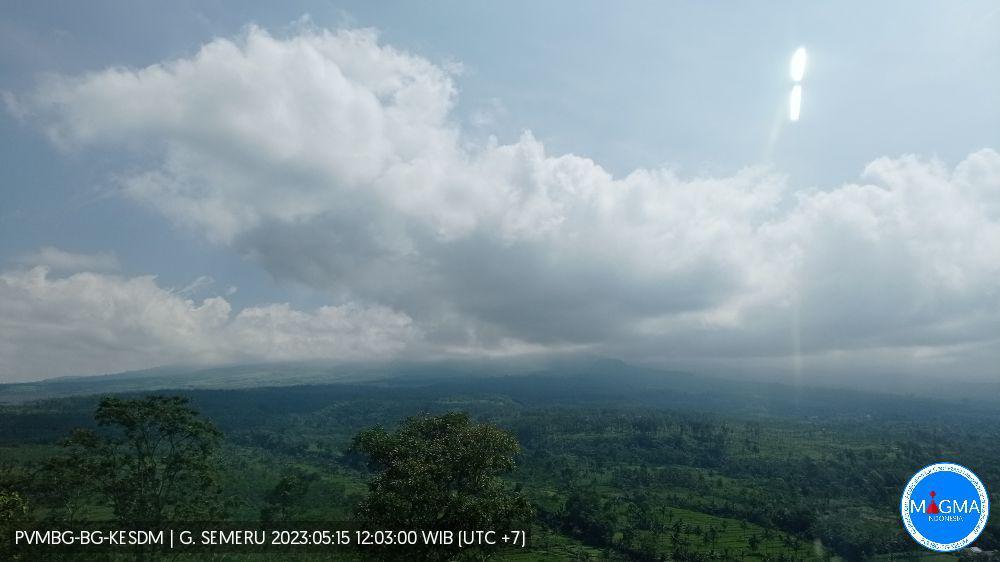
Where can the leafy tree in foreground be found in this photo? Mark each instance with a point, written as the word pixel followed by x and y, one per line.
pixel 440 472
pixel 13 508
pixel 155 460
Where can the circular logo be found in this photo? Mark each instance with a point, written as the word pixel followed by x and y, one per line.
pixel 945 507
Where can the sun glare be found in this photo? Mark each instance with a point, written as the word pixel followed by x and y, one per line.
pixel 797 68
pixel 795 103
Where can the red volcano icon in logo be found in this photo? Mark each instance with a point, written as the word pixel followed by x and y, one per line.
pixel 932 508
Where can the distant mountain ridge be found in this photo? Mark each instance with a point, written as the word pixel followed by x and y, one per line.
pixel 252 375
pixel 554 380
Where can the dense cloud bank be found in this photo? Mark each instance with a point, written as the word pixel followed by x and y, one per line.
pixel 92 323
pixel 333 160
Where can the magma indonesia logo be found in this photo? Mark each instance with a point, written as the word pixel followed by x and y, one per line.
pixel 945 507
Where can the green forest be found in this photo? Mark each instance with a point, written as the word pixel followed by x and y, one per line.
pixel 608 463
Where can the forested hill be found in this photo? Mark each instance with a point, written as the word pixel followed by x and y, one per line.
pixel 618 461
pixel 607 382
pixel 600 385
pixel 548 380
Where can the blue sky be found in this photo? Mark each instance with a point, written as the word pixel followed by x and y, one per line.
pixel 692 95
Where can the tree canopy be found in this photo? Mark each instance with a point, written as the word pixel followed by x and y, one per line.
pixel 154 459
pixel 441 472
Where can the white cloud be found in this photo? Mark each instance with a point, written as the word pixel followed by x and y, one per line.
pixel 333 160
pixel 95 323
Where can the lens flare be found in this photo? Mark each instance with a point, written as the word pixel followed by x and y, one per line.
pixel 797 68
pixel 795 103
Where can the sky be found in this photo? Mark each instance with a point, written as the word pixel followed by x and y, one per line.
pixel 219 182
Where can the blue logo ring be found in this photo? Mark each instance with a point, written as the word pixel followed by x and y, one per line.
pixel 949 526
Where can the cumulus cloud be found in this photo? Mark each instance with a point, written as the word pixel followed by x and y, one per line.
pixel 334 160
pixel 93 323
